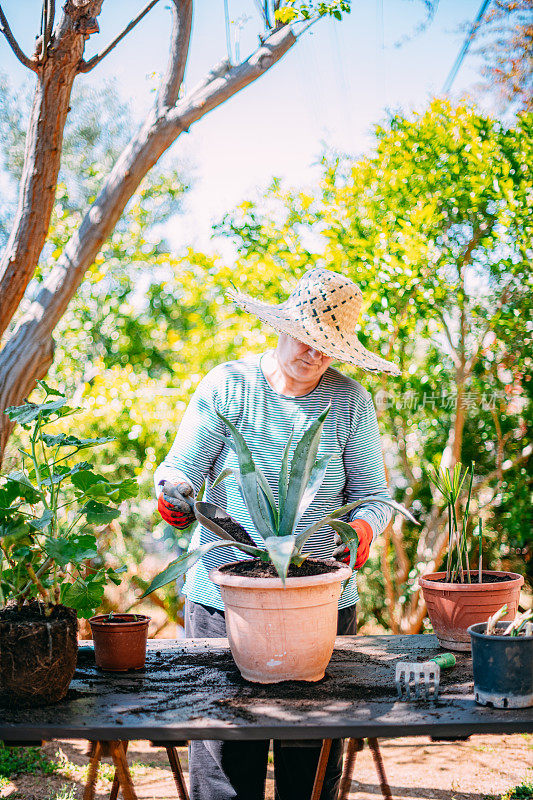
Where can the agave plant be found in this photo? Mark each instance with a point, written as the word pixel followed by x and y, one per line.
pixel 276 523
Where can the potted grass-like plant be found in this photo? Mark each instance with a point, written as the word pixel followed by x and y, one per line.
pixel 50 567
pixel 462 595
pixel 280 605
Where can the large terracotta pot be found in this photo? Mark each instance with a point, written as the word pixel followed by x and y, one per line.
pixel 453 607
pixel 281 634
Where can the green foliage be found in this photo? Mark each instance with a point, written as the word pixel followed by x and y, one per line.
pixel 294 10
pixel 524 791
pixel 47 508
pixel 449 483
pixel 435 226
pixel 276 525
pixel 17 760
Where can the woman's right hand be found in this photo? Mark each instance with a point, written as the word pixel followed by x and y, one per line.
pixel 176 503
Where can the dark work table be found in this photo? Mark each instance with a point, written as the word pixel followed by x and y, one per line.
pixel 191 689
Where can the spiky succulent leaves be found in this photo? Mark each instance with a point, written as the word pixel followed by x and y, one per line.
pixel 180 565
pixel 313 485
pixel 304 536
pixel 280 550
pixel 250 480
pixel 302 465
pixel 283 481
pixel 272 517
pixel 350 538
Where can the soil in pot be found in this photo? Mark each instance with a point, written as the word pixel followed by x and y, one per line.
pixel 37 654
pixel 453 607
pixel 120 641
pixel 255 568
pixel 278 633
pixel 503 668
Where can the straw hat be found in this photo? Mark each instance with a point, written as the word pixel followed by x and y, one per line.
pixel 322 312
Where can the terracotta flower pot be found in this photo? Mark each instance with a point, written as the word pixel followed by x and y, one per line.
pixel 453 607
pixel 281 634
pixel 120 645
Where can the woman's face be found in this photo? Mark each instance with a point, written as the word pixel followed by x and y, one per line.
pixel 300 361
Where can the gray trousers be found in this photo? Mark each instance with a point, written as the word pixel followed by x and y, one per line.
pixel 226 770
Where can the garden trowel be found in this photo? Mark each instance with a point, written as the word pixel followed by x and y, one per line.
pixel 216 520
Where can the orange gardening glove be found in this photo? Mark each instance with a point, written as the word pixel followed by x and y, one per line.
pixel 176 504
pixel 365 536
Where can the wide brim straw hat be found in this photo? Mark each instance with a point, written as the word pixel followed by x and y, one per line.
pixel 321 312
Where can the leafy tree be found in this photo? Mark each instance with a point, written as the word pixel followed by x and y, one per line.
pixel 435 226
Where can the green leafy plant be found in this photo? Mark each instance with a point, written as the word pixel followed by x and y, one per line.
pixel 293 11
pixel 523 791
pixel 450 483
pixel 276 523
pixel 48 508
pixel 16 760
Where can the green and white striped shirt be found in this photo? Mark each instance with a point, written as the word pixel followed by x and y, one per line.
pixel 240 391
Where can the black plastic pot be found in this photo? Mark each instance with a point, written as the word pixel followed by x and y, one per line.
pixel 503 668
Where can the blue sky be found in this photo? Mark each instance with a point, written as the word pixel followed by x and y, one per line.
pixel 332 87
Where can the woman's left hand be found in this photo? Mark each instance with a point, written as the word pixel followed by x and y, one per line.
pixel 365 536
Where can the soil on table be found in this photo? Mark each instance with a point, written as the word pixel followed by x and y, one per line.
pixel 255 568
pixel 474 578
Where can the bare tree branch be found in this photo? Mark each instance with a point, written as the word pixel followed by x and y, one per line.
pixel 478 348
pixel 6 30
pixel 223 86
pixel 51 11
pixel 454 355
pixel 17 359
pixel 179 51
pixel 505 467
pixel 86 66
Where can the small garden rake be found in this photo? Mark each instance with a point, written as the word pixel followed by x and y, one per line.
pixel 421 681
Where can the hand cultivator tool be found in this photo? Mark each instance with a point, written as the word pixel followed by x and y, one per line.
pixel 420 681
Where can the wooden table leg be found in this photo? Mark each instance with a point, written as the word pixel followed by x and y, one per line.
pixel 321 769
pixel 116 786
pixel 96 754
pixel 353 746
pixel 378 761
pixel 177 771
pixel 121 765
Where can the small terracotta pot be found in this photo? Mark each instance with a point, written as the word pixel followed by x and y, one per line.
pixel 281 634
pixel 453 607
pixel 121 644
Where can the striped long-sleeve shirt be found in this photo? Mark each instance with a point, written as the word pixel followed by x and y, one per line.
pixel 240 391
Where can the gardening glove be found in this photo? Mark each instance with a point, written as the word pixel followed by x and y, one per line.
pixel 365 536
pixel 176 503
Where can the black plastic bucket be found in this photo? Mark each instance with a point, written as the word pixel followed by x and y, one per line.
pixel 503 668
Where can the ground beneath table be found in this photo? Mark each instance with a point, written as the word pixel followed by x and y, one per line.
pixel 482 767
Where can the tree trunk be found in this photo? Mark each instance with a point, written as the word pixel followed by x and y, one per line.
pixel 33 334
pixel 55 76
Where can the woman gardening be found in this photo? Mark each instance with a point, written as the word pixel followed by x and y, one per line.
pixel 267 397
